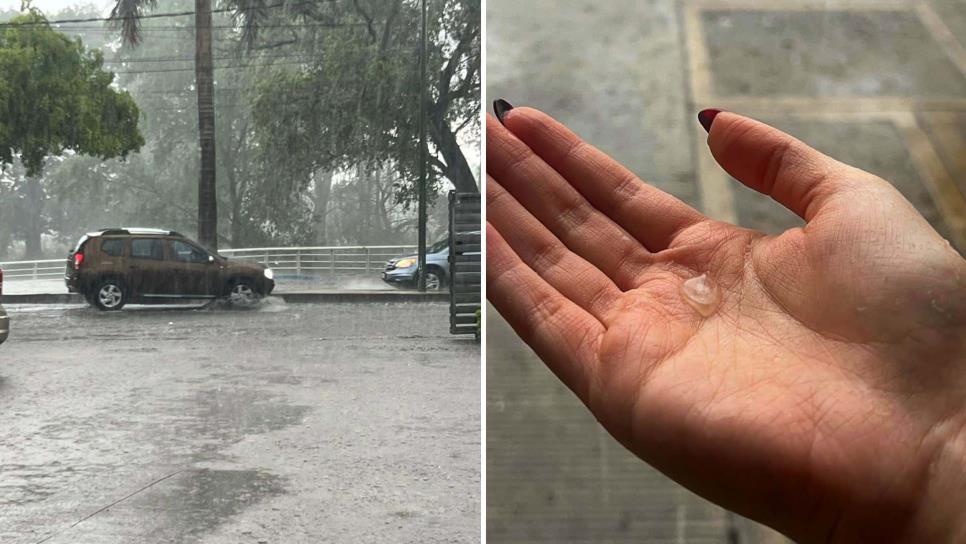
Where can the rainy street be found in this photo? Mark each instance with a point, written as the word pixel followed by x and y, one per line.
pixel 287 423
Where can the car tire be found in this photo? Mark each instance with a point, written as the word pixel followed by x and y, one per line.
pixel 110 295
pixel 243 293
pixel 434 280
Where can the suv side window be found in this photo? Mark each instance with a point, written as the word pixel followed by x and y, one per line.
pixel 147 248
pixel 188 253
pixel 112 247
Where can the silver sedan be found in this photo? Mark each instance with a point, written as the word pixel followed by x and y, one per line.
pixel 4 325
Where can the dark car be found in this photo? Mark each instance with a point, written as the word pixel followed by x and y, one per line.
pixel 401 271
pixel 112 267
pixel 4 318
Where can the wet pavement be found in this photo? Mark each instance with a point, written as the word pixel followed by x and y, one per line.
pixel 880 84
pixel 287 423
pixel 288 284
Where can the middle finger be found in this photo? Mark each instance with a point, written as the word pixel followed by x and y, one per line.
pixel 562 209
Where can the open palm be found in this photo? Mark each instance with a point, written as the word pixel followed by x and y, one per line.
pixel 819 386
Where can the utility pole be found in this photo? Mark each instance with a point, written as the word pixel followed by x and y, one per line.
pixel 421 261
pixel 205 82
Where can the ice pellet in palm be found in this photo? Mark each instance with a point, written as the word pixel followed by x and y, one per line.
pixel 702 294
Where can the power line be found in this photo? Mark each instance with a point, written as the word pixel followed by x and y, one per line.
pixel 304 61
pixel 159 15
pixel 215 27
pixel 300 56
pixel 191 59
pixel 176 92
pixel 168 70
pixel 227 105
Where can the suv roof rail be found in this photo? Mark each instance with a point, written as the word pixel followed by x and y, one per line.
pixel 132 230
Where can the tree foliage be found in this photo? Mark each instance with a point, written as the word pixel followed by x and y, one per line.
pixel 306 176
pixel 56 97
pixel 356 99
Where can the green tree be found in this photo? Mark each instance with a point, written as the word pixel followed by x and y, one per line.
pixel 56 98
pixel 354 101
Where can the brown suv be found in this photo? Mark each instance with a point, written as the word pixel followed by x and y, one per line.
pixel 112 267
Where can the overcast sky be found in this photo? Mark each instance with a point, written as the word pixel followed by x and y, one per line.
pixel 53 6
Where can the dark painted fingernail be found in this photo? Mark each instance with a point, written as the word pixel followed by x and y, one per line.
pixel 706 117
pixel 500 107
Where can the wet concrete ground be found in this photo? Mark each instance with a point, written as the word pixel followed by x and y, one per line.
pixel 880 84
pixel 349 282
pixel 289 423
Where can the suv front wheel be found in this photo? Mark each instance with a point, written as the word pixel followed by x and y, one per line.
pixel 109 295
pixel 243 293
pixel 434 280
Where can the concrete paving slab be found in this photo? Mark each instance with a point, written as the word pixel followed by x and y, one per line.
pixel 947 132
pixel 953 15
pixel 827 53
pixel 874 146
pixel 612 71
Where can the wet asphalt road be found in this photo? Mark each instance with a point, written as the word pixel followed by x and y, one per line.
pixel 289 423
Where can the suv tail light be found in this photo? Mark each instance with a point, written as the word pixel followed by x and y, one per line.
pixel 78 260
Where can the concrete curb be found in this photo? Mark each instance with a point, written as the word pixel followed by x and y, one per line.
pixel 43 298
pixel 293 297
pixel 362 296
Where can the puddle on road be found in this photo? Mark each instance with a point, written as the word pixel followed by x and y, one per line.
pixel 82 450
pixel 24 484
pixel 184 507
pixel 239 413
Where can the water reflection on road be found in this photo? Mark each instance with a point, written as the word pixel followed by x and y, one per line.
pixel 284 423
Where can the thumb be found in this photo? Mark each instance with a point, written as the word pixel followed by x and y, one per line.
pixel 774 163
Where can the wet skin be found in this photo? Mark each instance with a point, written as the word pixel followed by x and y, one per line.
pixel 821 393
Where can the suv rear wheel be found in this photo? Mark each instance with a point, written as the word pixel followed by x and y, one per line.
pixel 109 295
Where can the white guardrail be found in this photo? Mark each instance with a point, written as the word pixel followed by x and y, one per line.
pixel 298 261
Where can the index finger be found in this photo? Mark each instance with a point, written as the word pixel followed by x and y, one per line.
pixel 646 212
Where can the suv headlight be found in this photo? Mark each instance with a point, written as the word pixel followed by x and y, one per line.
pixel 269 274
pixel 405 263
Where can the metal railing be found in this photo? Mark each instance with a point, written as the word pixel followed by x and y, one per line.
pixel 317 261
pixel 298 261
pixel 33 270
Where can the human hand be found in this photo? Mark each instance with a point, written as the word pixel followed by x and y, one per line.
pixel 820 387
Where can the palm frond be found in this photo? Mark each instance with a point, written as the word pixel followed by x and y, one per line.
pixel 249 14
pixel 126 15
